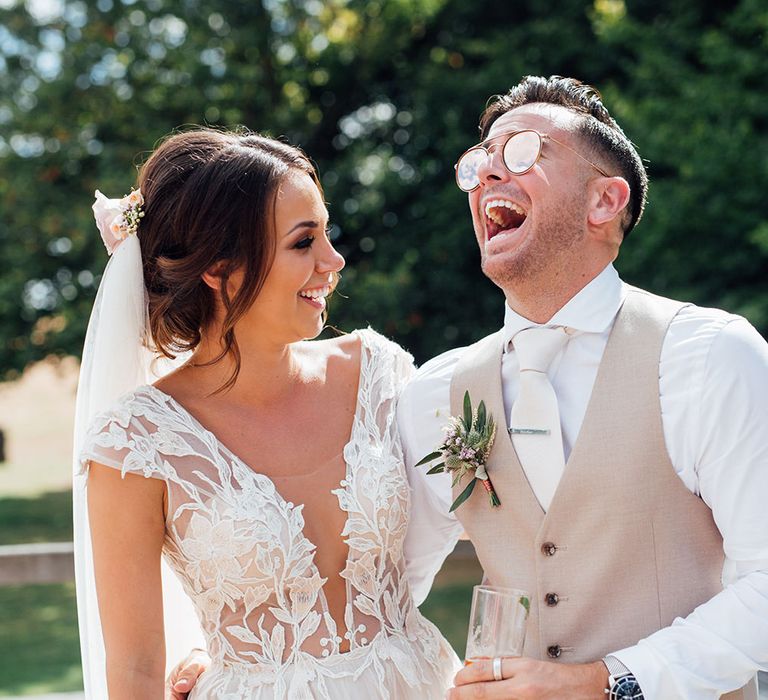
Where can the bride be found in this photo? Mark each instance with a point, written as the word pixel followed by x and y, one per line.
pixel 265 470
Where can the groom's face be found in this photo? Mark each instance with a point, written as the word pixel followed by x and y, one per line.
pixel 528 225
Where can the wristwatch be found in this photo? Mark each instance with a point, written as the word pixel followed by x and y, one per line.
pixel 622 685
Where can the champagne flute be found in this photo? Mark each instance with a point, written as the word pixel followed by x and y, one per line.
pixel 496 623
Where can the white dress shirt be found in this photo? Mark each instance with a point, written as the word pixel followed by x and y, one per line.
pixel 713 384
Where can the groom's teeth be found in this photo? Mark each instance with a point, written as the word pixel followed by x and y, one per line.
pixel 495 203
pixel 504 213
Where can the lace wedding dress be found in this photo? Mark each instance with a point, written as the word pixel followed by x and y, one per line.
pixel 240 551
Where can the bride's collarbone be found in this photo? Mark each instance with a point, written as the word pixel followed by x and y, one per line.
pixel 300 436
pixel 288 440
pixel 296 430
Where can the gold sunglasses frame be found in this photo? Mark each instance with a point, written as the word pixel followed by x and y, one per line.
pixel 509 135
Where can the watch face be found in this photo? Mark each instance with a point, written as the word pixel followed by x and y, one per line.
pixel 626 688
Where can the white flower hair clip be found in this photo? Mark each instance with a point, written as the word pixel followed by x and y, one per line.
pixel 117 219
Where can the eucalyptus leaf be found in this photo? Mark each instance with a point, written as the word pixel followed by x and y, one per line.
pixel 437 469
pixel 428 458
pixel 481 417
pixel 467 412
pixel 464 495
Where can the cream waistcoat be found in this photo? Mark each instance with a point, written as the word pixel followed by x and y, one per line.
pixel 624 547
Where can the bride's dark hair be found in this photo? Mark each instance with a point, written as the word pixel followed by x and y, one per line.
pixel 209 197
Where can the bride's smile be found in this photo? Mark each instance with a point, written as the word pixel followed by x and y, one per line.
pixel 293 296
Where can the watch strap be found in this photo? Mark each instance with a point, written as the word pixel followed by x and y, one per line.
pixel 618 677
pixel 615 667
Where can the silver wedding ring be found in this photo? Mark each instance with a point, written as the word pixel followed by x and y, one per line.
pixel 497 669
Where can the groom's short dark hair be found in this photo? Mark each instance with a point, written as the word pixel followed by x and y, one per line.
pixel 598 130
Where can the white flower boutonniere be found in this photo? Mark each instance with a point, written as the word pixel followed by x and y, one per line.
pixel 465 450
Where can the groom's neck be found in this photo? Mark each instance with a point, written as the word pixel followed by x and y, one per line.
pixel 539 299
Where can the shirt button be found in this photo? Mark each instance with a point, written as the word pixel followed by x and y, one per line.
pixel 554 651
pixel 549 549
pixel 551 599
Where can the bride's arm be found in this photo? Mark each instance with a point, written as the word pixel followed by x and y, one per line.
pixel 127 527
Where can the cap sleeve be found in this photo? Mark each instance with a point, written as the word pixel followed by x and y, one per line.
pixel 131 437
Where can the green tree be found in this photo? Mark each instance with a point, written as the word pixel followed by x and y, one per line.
pixel 384 94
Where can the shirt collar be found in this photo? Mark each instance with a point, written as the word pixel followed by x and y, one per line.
pixel 592 310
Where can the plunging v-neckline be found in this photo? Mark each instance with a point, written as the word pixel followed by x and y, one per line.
pixel 230 453
pixel 290 506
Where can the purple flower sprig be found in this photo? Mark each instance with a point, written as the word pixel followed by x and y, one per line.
pixel 465 449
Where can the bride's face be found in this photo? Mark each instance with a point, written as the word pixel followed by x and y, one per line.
pixel 291 303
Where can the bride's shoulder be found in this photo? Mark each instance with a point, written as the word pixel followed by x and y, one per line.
pixel 140 402
pixel 372 342
pixel 139 398
pixel 363 352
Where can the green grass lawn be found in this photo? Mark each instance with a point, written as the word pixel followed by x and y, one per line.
pixel 448 608
pixel 39 647
pixel 450 598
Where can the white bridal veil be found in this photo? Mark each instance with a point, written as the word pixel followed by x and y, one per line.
pixel 115 361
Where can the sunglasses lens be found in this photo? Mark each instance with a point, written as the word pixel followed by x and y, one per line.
pixel 466 169
pixel 522 151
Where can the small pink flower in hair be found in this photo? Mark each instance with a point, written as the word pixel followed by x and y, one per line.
pixel 135 199
pixel 117 227
pixel 117 219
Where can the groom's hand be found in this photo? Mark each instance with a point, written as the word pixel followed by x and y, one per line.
pixel 185 674
pixel 528 679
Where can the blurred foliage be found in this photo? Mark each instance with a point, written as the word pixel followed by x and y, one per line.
pixel 44 518
pixel 384 94
pixel 448 607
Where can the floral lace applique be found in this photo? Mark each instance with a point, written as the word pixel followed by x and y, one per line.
pixel 240 551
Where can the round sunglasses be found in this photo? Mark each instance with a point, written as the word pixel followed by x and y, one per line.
pixel 521 150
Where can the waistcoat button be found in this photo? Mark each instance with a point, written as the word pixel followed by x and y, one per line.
pixel 551 599
pixel 549 549
pixel 554 651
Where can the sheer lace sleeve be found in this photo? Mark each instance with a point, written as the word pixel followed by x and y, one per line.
pixel 133 437
pixel 139 435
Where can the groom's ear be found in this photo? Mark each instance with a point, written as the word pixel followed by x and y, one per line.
pixel 608 199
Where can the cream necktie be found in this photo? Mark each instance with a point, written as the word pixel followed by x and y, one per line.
pixel 535 418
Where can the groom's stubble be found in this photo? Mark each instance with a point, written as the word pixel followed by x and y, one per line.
pixel 551 252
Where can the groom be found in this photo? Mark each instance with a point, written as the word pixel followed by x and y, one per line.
pixel 632 453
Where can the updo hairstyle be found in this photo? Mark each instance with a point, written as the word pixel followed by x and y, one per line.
pixel 209 197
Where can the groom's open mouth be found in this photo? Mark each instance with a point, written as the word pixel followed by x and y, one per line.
pixel 502 216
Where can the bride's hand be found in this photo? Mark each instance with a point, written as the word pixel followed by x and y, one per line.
pixel 185 674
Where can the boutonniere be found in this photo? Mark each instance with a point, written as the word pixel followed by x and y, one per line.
pixel 465 450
